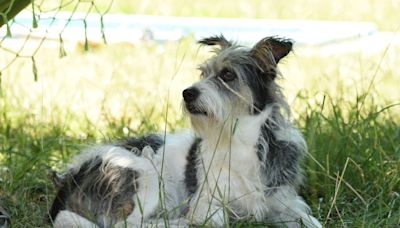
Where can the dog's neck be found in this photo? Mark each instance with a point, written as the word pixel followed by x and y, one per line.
pixel 239 132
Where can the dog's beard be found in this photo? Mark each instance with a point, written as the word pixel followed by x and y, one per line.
pixel 205 115
pixel 212 110
pixel 196 110
pixel 216 122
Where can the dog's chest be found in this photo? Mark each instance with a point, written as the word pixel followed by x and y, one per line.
pixel 235 170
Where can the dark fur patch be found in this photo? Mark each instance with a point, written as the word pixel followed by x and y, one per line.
pixel 152 140
pixel 281 165
pixel 261 85
pixel 69 184
pixel 96 190
pixel 274 47
pixel 216 40
pixel 191 167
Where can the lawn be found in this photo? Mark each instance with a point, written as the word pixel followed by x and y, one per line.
pixel 347 106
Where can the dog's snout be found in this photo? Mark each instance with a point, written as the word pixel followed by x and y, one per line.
pixel 190 94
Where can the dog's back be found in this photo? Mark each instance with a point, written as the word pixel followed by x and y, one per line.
pixel 120 182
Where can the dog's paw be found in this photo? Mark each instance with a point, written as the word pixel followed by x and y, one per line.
pixel 209 216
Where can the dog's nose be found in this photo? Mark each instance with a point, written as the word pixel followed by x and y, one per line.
pixel 190 94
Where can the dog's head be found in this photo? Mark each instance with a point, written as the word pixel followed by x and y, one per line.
pixel 236 81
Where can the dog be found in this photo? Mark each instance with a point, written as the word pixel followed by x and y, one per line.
pixel 241 160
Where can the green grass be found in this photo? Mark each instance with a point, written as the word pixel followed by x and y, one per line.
pixel 346 105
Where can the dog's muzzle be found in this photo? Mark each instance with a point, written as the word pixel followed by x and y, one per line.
pixel 190 96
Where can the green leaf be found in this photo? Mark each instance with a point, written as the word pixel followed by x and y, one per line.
pixel 103 35
pixel 235 126
pixel 62 52
pixel 34 20
pixel 34 69
pixel 86 39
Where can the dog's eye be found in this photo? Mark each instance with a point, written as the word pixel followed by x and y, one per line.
pixel 227 75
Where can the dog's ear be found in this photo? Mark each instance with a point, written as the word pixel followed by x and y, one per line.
pixel 216 40
pixel 271 47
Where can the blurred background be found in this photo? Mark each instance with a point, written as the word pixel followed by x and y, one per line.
pixel 73 73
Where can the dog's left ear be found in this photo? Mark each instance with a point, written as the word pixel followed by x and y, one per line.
pixel 272 47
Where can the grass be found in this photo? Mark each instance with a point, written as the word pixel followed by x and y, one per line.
pixel 346 105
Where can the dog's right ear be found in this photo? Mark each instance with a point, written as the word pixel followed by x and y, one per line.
pixel 216 40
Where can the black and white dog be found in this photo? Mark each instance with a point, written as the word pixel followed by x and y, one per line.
pixel 241 160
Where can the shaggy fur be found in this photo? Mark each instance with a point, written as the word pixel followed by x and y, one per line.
pixel 241 160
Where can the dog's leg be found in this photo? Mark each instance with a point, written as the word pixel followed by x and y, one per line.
pixel 291 211
pixel 205 210
pixel 70 219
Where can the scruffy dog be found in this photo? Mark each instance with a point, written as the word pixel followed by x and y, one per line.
pixel 241 160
